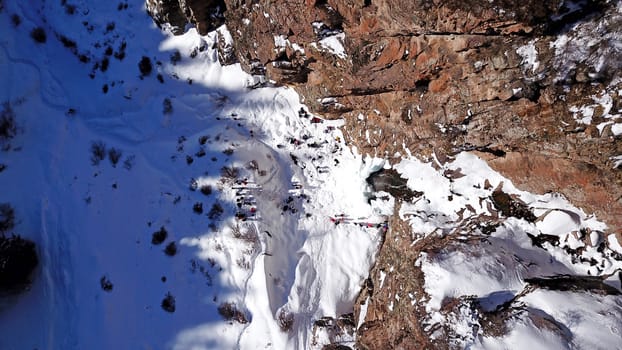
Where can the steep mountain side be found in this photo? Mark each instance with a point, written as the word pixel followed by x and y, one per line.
pixel 178 202
pixel 511 80
pixel 533 88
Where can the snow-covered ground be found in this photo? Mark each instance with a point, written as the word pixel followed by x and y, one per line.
pixel 267 220
pixel 254 244
pixel 490 259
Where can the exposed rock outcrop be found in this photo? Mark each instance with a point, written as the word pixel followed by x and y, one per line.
pixel 206 15
pixel 533 87
pixel 455 76
pixel 507 79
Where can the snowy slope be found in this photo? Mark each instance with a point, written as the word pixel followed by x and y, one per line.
pixel 96 221
pixel 266 206
pixel 488 261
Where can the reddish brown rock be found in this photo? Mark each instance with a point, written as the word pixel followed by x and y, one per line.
pixel 443 77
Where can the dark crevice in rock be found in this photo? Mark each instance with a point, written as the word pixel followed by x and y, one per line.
pixel 573 284
pixel 494 151
pixel 422 85
pixel 368 91
pixel 484 149
pixel 206 15
pixel 579 11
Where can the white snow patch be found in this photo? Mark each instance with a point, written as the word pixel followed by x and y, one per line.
pixel 334 44
pixel 530 55
pixel 614 244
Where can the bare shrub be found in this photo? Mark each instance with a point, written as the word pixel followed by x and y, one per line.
pixel 167 106
pixel 252 165
pixel 145 66
pixel 70 9
pixel 18 258
pixel 168 303
pixel 114 155
pixel 128 163
pixel 198 208
pixel 16 20
pixel 231 313
pixel 98 152
pixel 194 184
pixel 38 35
pixel 171 249
pixel 247 233
pixel 243 263
pixel 7 217
pixel 159 236
pixel 175 57
pixel 105 284
pixel 285 319
pixel 105 62
pixel 215 212
pixel 8 124
pixel 229 173
pixel 206 190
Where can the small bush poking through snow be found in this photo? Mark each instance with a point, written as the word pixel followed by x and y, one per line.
pixel 105 284
pixel 38 35
pixel 104 64
pixel 8 125
pixel 252 165
pixel 128 163
pixel 206 190
pixel 171 249
pixel 168 303
pixel 16 20
pixel 285 320
pixel 247 233
pixel 193 184
pixel 114 155
pixel 229 173
pixel 167 106
pixel 70 9
pixel 18 258
pixel 198 208
pixel 98 152
pixel 7 218
pixel 159 236
pixel 145 66
pixel 175 57
pixel 215 212
pixel 231 313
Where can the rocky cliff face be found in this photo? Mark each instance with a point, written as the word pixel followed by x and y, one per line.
pixel 443 77
pixel 206 15
pixel 532 87
pixel 511 81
